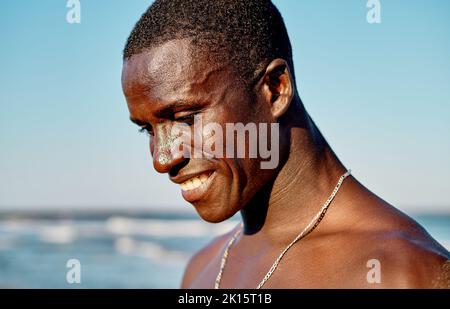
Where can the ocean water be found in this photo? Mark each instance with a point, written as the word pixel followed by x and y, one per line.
pixel 115 250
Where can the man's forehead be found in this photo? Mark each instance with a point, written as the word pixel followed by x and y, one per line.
pixel 174 65
pixel 170 59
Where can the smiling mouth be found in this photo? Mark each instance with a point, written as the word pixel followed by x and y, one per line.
pixel 196 187
pixel 195 182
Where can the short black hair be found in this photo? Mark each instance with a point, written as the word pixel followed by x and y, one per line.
pixel 247 33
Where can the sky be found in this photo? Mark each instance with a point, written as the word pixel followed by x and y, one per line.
pixel 380 94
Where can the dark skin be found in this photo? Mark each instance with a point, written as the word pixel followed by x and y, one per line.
pixel 275 204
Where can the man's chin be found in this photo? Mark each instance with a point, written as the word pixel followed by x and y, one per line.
pixel 214 214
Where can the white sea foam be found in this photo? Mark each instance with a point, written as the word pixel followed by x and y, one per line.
pixel 58 234
pixel 66 231
pixel 166 228
pixel 150 250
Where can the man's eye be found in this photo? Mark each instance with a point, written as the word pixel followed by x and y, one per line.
pixel 147 130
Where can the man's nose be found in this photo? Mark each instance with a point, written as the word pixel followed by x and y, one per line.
pixel 165 149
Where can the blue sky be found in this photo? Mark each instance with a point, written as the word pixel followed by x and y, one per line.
pixel 379 92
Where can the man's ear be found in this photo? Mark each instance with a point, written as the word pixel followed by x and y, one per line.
pixel 278 87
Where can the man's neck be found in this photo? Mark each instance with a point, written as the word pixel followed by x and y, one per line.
pixel 301 187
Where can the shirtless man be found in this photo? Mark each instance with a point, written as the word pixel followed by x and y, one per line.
pixel 231 62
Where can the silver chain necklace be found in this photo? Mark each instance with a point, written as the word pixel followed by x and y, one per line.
pixel 308 229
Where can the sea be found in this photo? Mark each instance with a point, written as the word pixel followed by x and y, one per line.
pixel 115 249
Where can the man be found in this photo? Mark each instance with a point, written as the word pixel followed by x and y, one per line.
pixel 231 62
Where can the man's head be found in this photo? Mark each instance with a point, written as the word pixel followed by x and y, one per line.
pixel 226 61
pixel 246 33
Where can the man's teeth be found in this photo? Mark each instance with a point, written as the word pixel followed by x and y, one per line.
pixel 194 183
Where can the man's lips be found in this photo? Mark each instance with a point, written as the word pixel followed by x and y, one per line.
pixel 195 186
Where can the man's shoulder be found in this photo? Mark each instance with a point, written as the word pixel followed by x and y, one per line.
pixel 405 255
pixel 200 260
pixel 383 237
pixel 407 259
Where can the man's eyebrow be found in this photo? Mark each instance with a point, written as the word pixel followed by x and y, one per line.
pixel 168 110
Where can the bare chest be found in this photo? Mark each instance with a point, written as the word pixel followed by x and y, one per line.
pixel 298 269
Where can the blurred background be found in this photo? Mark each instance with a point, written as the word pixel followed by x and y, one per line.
pixel 76 179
